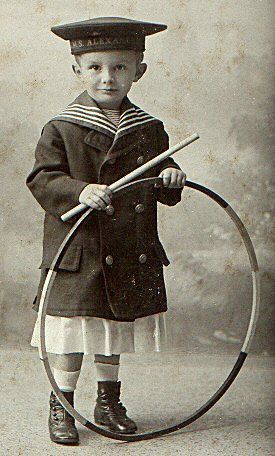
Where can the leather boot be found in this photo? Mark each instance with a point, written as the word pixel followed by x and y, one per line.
pixel 110 412
pixel 61 423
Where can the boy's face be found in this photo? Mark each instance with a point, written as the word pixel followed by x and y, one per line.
pixel 108 75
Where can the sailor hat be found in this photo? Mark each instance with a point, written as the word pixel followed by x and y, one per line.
pixel 107 33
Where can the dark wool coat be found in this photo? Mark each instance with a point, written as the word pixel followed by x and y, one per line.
pixel 114 267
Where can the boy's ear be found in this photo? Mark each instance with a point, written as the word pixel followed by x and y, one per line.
pixel 142 67
pixel 76 69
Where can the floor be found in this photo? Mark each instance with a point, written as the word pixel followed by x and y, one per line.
pixel 158 390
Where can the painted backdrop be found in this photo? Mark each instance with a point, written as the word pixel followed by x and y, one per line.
pixel 209 72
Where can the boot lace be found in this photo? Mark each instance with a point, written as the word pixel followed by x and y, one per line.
pixel 58 411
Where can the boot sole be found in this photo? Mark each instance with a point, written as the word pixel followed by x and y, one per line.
pixel 71 442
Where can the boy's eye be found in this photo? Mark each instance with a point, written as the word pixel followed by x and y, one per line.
pixel 94 67
pixel 120 67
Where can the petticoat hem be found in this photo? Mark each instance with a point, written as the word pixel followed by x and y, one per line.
pixel 92 335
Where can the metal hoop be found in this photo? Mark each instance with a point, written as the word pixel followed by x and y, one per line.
pixel 242 355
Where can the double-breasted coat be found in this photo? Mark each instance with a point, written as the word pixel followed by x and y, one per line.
pixel 114 266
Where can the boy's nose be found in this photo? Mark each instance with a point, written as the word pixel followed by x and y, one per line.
pixel 107 76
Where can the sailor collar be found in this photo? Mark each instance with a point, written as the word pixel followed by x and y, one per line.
pixel 84 111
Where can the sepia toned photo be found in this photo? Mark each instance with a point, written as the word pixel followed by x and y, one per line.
pixel 137 277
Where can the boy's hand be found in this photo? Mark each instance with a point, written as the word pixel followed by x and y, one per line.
pixel 96 196
pixel 173 178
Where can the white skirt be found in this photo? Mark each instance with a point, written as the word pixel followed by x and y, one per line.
pixel 91 335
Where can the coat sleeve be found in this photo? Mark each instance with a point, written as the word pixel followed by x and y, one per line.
pixel 167 196
pixel 50 181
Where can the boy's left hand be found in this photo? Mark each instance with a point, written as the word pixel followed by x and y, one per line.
pixel 173 178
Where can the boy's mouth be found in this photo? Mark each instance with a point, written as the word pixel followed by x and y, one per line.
pixel 108 90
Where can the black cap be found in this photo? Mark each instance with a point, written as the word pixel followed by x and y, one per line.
pixel 107 33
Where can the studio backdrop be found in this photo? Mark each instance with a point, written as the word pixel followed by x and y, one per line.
pixel 211 73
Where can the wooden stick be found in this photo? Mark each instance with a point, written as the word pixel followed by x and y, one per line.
pixel 136 172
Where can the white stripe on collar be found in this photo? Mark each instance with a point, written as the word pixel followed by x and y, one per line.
pixel 82 114
pixel 94 117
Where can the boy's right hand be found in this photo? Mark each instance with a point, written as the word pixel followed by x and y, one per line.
pixel 96 196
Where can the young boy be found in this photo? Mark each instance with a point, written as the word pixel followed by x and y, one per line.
pixel 112 273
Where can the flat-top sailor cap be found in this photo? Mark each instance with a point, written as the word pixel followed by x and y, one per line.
pixel 107 33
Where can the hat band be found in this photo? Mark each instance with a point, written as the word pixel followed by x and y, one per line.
pixel 105 43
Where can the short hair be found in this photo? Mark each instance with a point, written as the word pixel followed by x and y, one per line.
pixel 77 59
pixel 139 56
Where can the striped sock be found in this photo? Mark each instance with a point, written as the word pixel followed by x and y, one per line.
pixel 66 381
pixel 107 368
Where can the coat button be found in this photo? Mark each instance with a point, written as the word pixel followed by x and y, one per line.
pixel 109 260
pixel 112 161
pixel 110 210
pixel 139 208
pixel 140 160
pixel 142 258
